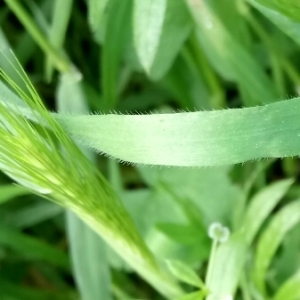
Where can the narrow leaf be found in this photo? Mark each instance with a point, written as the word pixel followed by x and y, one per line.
pixel 32 248
pixel 261 206
pixel 58 28
pixel 115 38
pixel 270 240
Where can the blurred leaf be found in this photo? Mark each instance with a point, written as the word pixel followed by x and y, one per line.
pixel 11 291
pixel 33 214
pixel 283 22
pixel 115 38
pixel 96 10
pixel 261 206
pixel 229 57
pixel 187 85
pixel 183 234
pixel 195 185
pixel 57 31
pixel 184 273
pixel 11 191
pixel 32 248
pixel 148 19
pixel 290 290
pixel 59 60
pixel 270 240
pixel 90 265
pixel 160 28
pixel 288 8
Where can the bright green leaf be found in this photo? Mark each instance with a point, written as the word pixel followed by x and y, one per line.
pixel 261 206
pixel 290 290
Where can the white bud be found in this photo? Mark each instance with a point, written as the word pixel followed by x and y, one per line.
pixel 218 232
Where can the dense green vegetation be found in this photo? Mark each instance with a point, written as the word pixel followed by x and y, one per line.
pixel 166 135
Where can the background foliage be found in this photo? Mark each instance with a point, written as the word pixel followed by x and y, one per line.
pixel 146 57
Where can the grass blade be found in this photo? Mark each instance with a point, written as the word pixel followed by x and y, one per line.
pixel 208 138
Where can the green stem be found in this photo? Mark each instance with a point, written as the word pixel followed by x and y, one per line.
pixel 61 62
pixel 211 262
